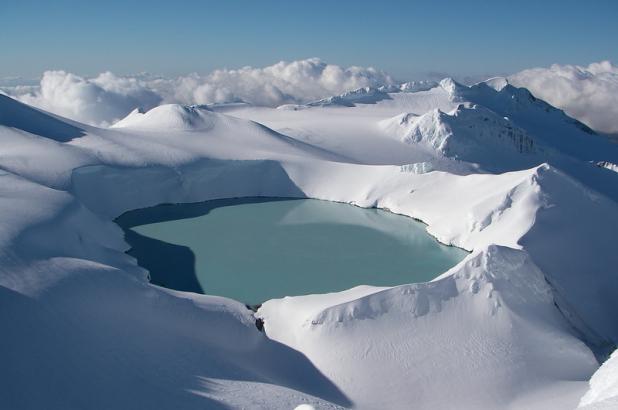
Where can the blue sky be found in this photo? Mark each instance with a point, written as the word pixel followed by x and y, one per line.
pixel 409 39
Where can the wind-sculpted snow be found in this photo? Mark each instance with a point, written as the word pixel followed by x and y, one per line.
pixel 517 324
pixel 507 281
pixel 474 134
pixel 505 128
pixel 585 302
pixel 406 329
pixel 547 124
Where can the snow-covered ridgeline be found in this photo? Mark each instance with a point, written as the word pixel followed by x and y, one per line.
pixel 484 323
pixel 487 332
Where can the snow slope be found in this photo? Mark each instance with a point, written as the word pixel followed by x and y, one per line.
pixel 475 135
pixel 170 117
pixel 603 392
pixel 496 286
pixel 488 127
pixel 517 324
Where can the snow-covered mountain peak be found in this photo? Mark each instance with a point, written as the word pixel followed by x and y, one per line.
pixel 504 97
pixel 365 95
pixel 415 86
pixel 455 90
pixel 497 83
pixel 170 117
pixel 409 87
pixel 470 133
pixel 547 124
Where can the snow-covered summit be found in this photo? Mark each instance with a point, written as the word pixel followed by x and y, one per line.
pixel 372 95
pixel 409 87
pixel 365 95
pixel 497 83
pixel 473 134
pixel 452 87
pixel 170 117
pixel 546 124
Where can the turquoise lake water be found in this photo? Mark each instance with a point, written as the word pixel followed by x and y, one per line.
pixel 257 249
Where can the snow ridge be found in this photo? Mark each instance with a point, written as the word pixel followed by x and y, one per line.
pixel 170 117
pixel 366 95
pixel 473 134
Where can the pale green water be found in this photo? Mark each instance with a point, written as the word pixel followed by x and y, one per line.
pixel 253 250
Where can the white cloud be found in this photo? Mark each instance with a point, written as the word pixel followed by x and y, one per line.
pixel 106 98
pixel 101 100
pixel 284 82
pixel 589 94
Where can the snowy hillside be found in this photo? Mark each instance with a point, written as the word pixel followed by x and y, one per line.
pixel 603 392
pixel 521 323
pixel 475 135
pixel 170 117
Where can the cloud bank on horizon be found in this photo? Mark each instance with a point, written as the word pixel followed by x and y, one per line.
pixel 104 99
pixel 589 94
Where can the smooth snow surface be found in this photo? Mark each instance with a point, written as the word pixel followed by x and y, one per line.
pixel 603 392
pixel 518 324
pixel 170 117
